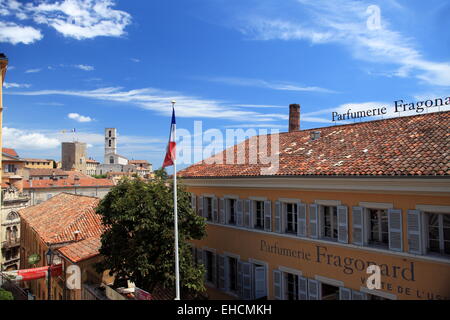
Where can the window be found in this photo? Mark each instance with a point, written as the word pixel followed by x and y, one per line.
pixel 109 133
pixel 232 274
pixel 109 143
pixel 111 160
pixel 208 209
pixel 231 211
pixel 291 218
pixel 379 229
pixel 438 233
pixel 209 266
pixel 329 222
pixel 259 214
pixel 329 292
pixel 10 168
pixel 291 281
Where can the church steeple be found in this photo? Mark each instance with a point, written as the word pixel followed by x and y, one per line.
pixel 110 141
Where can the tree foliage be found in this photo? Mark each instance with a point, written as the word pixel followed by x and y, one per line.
pixel 138 244
pixel 6 295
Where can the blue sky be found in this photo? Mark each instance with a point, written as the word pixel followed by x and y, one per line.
pixel 231 64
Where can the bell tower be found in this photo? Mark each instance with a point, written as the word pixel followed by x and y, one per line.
pixel 110 141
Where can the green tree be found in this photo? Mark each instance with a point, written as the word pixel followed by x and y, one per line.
pixel 138 244
pixel 6 295
pixel 161 174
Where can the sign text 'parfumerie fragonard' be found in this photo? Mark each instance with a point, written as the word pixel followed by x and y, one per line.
pixel 398 107
pixel 350 265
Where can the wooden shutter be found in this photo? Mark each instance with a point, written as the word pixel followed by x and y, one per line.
pixel 268 215
pixel 260 283
pixel 221 272
pixel 247 281
pixel 278 216
pixel 247 213
pixel 239 212
pixel 227 211
pixel 278 284
pixel 342 224
pixel 215 210
pixel 345 294
pixel 395 229
pixel 251 217
pixel 313 221
pixel 222 211
pixel 358 225
pixel 301 219
pixel 357 295
pixel 415 240
pixel 302 288
pixel 314 292
pixel 193 201
pixel 200 206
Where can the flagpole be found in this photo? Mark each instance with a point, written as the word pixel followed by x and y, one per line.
pixel 175 206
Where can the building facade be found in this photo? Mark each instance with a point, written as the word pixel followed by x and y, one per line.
pixel 73 156
pixel 91 166
pixel 39 163
pixel 352 196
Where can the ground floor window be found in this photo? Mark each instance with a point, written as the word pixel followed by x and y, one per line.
pixel 329 292
pixel 209 265
pixel 233 274
pixel 291 292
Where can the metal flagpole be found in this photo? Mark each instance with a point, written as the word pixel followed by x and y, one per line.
pixel 175 206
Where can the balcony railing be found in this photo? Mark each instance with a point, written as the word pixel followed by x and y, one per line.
pixel 11 243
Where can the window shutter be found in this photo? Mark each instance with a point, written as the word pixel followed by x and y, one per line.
pixel 357 295
pixel 313 221
pixel 301 219
pixel 193 201
pixel 239 212
pixel 215 210
pixel 358 225
pixel 246 213
pixel 239 279
pixel 252 214
pixel 345 294
pixel 213 268
pixel 227 211
pixel 247 281
pixel 221 272
pixel 342 216
pixel 200 206
pixel 277 285
pixel 260 282
pixel 395 229
pixel 314 290
pixel 278 216
pixel 222 211
pixel 268 215
pixel 302 288
pixel 415 244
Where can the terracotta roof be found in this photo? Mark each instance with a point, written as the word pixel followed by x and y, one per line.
pixel 67 183
pixel 138 162
pixel 10 152
pixel 405 146
pixel 82 250
pixel 56 219
pixel 47 172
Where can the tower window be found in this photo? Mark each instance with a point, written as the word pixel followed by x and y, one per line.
pixel 109 143
pixel 111 160
pixel 110 133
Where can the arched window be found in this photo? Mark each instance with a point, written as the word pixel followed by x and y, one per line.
pixel 111 160
pixel 109 143
pixel 110 133
pixel 12 216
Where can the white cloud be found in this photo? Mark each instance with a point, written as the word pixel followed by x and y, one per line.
pixel 281 86
pixel 33 70
pixel 82 19
pixel 14 33
pixel 344 22
pixel 15 85
pixel 79 118
pixel 22 139
pixel 84 67
pixel 135 60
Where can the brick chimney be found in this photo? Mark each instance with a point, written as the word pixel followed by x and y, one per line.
pixel 294 117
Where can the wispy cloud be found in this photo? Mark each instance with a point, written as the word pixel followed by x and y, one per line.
pixel 281 86
pixel 84 67
pixel 15 33
pixel 345 22
pixel 33 70
pixel 16 85
pixel 79 118
pixel 135 60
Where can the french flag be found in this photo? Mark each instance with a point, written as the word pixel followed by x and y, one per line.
pixel 171 147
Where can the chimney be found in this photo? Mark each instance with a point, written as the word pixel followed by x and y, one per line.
pixel 294 117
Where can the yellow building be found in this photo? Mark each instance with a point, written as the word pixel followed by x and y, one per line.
pixel 40 163
pixel 343 198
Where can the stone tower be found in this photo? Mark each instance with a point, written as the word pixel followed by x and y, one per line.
pixel 73 156
pixel 110 141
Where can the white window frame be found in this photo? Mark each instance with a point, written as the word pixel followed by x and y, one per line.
pixel 284 222
pixel 253 207
pixel 266 265
pixel 441 234
pixel 334 222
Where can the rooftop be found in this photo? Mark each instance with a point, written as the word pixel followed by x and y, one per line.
pixel 82 250
pixel 57 219
pixel 69 182
pixel 10 152
pixel 405 146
